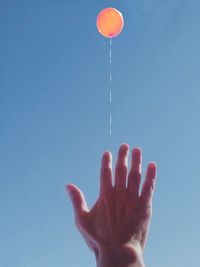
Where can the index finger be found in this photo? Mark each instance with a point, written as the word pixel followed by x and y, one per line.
pixel 106 174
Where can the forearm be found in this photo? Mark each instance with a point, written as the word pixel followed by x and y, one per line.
pixel 113 263
pixel 119 258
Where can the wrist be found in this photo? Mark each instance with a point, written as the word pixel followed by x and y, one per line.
pixel 120 257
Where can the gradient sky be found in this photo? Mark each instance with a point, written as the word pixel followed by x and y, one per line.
pixel 54 123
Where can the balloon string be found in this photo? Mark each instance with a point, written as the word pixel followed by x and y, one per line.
pixel 110 83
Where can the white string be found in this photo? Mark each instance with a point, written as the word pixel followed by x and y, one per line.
pixel 110 84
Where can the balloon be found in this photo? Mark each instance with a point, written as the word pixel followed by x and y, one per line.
pixel 110 22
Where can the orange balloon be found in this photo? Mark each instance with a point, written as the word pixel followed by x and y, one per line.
pixel 110 22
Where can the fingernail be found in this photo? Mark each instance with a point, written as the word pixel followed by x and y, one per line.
pixel 137 150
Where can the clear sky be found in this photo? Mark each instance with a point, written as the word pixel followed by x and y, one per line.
pixel 54 123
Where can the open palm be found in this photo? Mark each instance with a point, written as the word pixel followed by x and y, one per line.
pixel 121 216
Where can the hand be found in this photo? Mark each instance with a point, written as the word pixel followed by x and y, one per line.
pixel 120 218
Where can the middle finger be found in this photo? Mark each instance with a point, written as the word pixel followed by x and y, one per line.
pixel 121 168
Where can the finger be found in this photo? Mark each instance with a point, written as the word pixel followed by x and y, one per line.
pixel 106 174
pixel 121 168
pixel 148 186
pixel 134 176
pixel 77 199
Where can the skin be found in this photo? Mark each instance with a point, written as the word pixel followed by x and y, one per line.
pixel 120 218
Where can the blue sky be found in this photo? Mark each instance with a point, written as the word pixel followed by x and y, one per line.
pixel 54 123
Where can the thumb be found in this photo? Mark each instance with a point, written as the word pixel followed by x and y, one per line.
pixel 77 199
